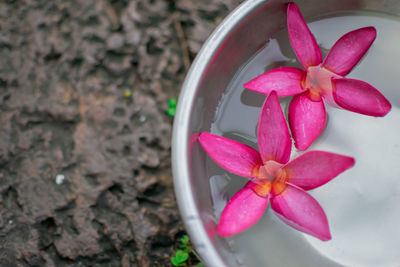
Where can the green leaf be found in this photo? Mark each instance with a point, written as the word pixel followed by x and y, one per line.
pixel 185 240
pixel 180 258
pixel 172 102
pixel 200 264
pixel 171 112
pixel 171 107
pixel 176 262
pixel 182 255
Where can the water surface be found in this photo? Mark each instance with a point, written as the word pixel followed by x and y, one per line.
pixel 362 204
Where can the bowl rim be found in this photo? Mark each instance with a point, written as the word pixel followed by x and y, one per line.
pixel 181 134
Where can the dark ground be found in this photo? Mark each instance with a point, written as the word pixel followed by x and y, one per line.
pixel 65 67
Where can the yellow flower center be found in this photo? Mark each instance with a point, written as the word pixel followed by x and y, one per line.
pixel 270 177
pixel 319 82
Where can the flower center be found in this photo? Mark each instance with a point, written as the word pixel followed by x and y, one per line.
pixel 318 82
pixel 279 183
pixel 271 176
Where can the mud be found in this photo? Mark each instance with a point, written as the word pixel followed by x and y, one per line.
pixel 85 173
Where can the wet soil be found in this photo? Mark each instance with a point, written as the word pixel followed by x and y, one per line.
pixel 85 173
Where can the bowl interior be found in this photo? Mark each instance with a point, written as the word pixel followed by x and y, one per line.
pixel 235 41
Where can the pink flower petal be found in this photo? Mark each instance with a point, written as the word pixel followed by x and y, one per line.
pixel 242 211
pixel 301 211
pixel 231 155
pixel 348 50
pixel 360 97
pixel 273 134
pixel 316 168
pixel 286 81
pixel 307 120
pixel 303 42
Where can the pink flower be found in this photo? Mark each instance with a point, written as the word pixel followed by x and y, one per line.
pixel 321 80
pixel 273 178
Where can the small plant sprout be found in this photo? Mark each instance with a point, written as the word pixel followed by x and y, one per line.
pixel 127 93
pixel 321 80
pixel 182 256
pixel 273 177
pixel 171 107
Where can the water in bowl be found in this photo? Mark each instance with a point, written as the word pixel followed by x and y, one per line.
pixel 362 204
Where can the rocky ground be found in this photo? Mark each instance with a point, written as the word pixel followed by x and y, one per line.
pixel 85 173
